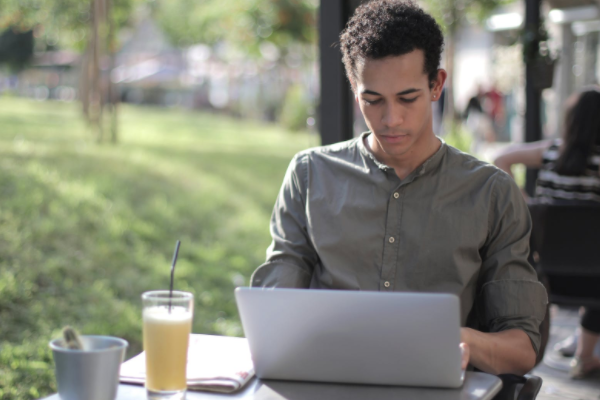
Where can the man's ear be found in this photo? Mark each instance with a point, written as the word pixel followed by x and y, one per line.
pixel 438 84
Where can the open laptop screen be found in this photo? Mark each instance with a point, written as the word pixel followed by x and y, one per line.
pixel 353 336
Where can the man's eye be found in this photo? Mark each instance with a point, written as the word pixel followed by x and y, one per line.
pixel 408 100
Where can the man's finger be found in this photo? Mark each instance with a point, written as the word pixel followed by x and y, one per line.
pixel 465 352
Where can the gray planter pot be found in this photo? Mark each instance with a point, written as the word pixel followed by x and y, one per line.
pixel 91 374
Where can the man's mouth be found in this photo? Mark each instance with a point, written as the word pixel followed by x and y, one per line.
pixel 394 138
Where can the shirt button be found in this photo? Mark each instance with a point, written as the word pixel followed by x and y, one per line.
pixel 386 284
pixel 392 240
pixel 396 195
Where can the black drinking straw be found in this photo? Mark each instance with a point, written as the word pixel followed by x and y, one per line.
pixel 173 272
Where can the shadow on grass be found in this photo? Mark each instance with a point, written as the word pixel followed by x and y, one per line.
pixel 253 176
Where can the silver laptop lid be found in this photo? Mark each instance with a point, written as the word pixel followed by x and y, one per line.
pixel 353 337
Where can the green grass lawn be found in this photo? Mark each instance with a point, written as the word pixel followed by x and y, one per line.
pixel 85 228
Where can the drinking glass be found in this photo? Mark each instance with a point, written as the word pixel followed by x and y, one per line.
pixel 167 328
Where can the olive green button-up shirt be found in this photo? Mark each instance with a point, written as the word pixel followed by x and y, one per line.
pixel 343 220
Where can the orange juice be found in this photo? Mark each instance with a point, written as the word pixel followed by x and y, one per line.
pixel 166 337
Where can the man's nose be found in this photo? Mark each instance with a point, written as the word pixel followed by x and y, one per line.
pixel 393 115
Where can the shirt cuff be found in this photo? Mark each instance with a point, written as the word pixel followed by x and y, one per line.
pixel 280 274
pixel 513 304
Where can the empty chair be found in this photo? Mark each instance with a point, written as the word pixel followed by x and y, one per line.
pixel 566 239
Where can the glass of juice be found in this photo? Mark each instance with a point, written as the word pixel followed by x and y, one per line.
pixel 167 328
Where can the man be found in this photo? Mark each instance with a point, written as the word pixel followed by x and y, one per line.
pixel 397 209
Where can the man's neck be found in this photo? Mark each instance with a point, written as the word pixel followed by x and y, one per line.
pixel 406 163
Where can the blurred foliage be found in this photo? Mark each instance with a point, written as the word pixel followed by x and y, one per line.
pixel 86 228
pixel 519 173
pixel 295 109
pixel 16 48
pixel 59 23
pixel 241 23
pixel 458 136
pixel 452 14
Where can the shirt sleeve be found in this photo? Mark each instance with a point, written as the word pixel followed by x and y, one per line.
pixel 291 256
pixel 509 295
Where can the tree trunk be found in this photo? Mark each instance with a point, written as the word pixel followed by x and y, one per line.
pixel 113 94
pixel 95 89
pixel 98 99
pixel 84 83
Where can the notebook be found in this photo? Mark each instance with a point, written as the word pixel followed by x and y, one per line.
pixel 357 337
pixel 215 364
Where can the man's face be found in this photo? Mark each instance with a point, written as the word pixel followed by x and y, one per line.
pixel 395 99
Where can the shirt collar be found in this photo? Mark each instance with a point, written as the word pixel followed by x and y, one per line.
pixel 429 164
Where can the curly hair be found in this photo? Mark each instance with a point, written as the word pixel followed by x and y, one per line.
pixel 382 28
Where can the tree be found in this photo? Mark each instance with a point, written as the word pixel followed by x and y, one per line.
pixel 90 26
pixel 270 34
pixel 16 48
pixel 86 26
pixel 241 23
pixel 452 15
pixel 59 23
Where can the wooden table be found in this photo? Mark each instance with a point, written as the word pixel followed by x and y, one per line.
pixel 477 386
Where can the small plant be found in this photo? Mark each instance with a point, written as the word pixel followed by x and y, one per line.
pixel 71 339
pixel 536 52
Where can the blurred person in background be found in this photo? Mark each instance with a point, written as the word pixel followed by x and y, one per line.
pixel 569 174
pixel 474 104
pixel 478 121
pixel 493 106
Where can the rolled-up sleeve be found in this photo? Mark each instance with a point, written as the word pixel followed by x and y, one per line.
pixel 509 294
pixel 290 257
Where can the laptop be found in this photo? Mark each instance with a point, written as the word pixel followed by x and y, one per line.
pixel 361 337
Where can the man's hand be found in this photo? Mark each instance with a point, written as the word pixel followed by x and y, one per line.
pixel 506 352
pixel 465 353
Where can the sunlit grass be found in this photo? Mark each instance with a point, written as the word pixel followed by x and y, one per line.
pixel 85 228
